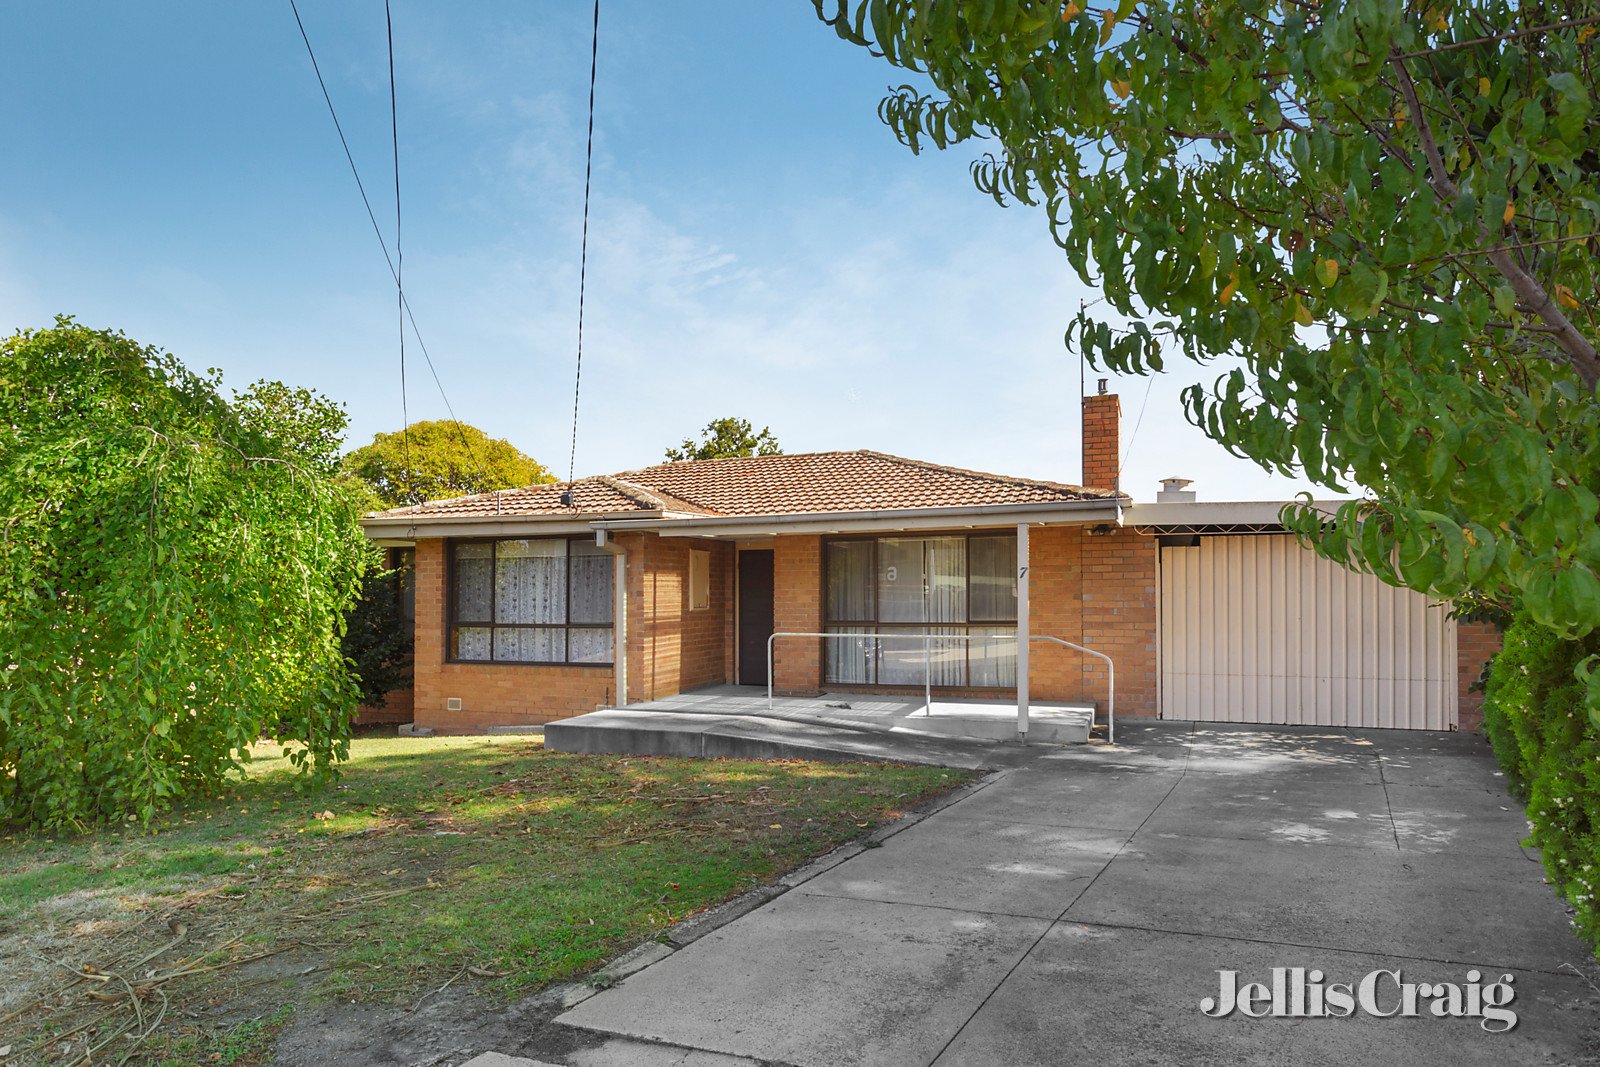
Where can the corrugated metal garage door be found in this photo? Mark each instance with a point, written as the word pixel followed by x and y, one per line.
pixel 1257 629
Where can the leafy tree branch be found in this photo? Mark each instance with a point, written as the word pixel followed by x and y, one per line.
pixel 1386 211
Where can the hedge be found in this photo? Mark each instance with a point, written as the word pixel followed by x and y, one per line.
pixel 1534 715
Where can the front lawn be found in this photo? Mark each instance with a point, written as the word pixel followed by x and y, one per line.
pixel 482 861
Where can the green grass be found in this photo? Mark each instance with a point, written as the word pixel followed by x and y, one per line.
pixel 489 859
pixel 231 1046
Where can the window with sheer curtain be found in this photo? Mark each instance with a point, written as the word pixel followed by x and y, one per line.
pixel 895 589
pixel 534 600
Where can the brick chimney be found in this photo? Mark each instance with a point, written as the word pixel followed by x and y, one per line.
pixel 1102 440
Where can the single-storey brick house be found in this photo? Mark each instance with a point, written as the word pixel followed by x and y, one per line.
pixel 536 604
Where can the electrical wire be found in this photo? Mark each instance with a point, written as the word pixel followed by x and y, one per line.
pixel 399 256
pixel 1128 451
pixel 384 245
pixel 583 255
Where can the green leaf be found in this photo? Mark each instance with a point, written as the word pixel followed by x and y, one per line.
pixel 1505 301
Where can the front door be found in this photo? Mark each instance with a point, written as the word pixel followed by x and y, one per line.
pixel 755 615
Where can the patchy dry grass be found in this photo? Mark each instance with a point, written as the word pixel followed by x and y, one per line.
pixel 486 861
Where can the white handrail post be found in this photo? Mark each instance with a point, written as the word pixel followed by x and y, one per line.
pixel 770 638
pixel 927 674
pixel 1111 702
pixel 1022 631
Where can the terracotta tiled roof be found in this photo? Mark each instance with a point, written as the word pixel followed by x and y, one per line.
pixel 809 483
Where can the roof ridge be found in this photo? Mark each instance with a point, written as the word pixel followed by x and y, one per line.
pixel 1003 479
pixel 634 492
pixel 653 496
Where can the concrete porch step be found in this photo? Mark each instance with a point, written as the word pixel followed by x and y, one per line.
pixel 1057 724
pixel 638 732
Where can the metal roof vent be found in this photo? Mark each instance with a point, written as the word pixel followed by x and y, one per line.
pixel 1175 491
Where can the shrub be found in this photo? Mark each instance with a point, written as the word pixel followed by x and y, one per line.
pixel 1534 715
pixel 175 568
pixel 377 640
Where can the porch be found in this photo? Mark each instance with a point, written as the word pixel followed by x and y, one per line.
pixel 737 721
pixel 990 720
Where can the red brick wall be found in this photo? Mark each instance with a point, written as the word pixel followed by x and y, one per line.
pixel 1476 644
pixel 670 647
pixel 1119 616
pixel 1102 437
pixel 797 608
pixel 396 707
pixel 1055 607
pixel 491 694
pixel 1099 591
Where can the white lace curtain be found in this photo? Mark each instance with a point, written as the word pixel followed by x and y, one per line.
pixel 551 601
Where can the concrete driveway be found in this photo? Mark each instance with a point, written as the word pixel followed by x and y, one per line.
pixel 1080 906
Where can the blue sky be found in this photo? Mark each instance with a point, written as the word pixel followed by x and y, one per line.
pixel 759 244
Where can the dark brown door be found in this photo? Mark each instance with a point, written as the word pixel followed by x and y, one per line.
pixel 755 615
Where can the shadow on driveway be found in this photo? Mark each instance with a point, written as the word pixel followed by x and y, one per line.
pixel 1082 904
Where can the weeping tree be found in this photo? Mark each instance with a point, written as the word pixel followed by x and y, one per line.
pixel 175 568
pixel 1386 212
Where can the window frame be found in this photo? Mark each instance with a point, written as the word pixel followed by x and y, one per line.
pixel 877 628
pixel 453 622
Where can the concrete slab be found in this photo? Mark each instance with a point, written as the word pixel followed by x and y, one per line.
pixel 820 980
pixel 1426 742
pixel 768 739
pixel 496 1059
pixel 929 947
pixel 1107 799
pixel 1140 743
pixel 1233 749
pixel 980 865
pixel 694 735
pixel 625 1052
pixel 1132 997
pixel 1464 908
pixel 1053 722
pixel 1439 768
pixel 1457 818
pixel 1277 808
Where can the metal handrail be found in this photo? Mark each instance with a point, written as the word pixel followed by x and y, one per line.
pixel 927 661
pixel 1111 682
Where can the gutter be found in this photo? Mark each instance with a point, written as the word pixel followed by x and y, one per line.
pixel 1103 509
pixel 401 529
pixel 1217 512
pixel 410 527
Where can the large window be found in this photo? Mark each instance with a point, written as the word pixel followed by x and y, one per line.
pixel 530 601
pixel 896 587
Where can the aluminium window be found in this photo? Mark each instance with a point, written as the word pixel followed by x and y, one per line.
pixel 900 587
pixel 530 600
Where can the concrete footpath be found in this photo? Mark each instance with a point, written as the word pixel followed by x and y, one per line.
pixel 1080 905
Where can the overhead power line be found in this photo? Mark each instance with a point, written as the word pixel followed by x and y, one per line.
pixel 399 252
pixel 583 254
pixel 382 242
